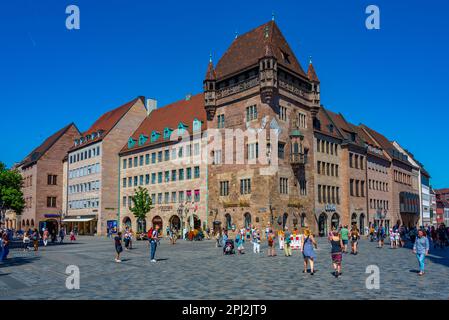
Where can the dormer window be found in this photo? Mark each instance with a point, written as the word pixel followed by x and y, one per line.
pixel 181 128
pixel 154 136
pixel 93 135
pixel 100 132
pixel 331 128
pixel 167 133
pixel 196 125
pixel 142 139
pixel 131 143
pixel 76 142
pixel 285 57
pixel 82 140
pixel 352 136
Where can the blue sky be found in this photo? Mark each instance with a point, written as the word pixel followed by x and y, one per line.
pixel 394 80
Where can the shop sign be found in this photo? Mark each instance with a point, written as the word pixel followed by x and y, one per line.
pixel 330 207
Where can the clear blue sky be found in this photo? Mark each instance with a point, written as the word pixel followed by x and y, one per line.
pixel 395 80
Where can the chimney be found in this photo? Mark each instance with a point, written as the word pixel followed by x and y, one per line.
pixel 151 105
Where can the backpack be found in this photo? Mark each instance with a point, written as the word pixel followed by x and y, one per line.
pixel 150 234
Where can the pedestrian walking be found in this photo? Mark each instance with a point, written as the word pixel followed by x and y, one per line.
pixel 271 246
pixel 421 249
pixel 35 237
pixel 126 239
pixel 256 241
pixel 355 236
pixel 371 233
pixel 434 236
pixel 26 241
pixel 308 251
pixel 154 239
pixel 131 236
pixel 4 246
pixel 344 233
pixel 287 243
pixel 45 237
pixel 239 243
pixel 61 235
pixel 118 246
pixel 337 247
pixel 72 236
pixel 380 236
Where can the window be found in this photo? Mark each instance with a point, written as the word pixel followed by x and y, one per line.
pixel 51 202
pixel 303 187
pixel 196 172
pixel 350 160
pixel 181 174
pixel 251 113
pixel 318 167
pixel 338 195
pixel 245 186
pixel 217 157
pixel 159 156
pixel 319 193
pixel 181 196
pixel 124 201
pixel 153 178
pixel 356 160
pixel 283 185
pixel 173 175
pixel 154 136
pixel 135 161
pixel 159 177
pixel 361 162
pixel 180 152
pixel 124 163
pixel 166 197
pixel 167 155
pixel 283 113
pixel 159 198
pixel 173 197
pixel 189 173
pixel 362 188
pixel 124 182
pixel 130 163
pixel 147 178
pixel 153 157
pixel 189 195
pixel 52 179
pixel 351 187
pixel 357 188
pixel 302 120
pixel 167 133
pixel 318 144
pixel 130 182
pixel 135 181
pixel 220 121
pixel 147 159
pixel 196 196
pixel 253 151
pixel 167 176
pixel 281 150
pixel 141 161
pixel 224 188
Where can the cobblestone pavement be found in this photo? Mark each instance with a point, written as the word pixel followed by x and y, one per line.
pixel 198 270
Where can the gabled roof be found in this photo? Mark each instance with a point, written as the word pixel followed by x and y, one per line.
pixel 381 139
pixel 38 152
pixel 170 116
pixel 326 123
pixel 346 129
pixel 106 123
pixel 246 50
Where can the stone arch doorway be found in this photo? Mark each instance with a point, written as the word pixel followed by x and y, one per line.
pixel 127 222
pixel 335 221
pixel 194 222
pixel 362 223
pixel 284 220
pixel 354 219
pixel 247 219
pixel 303 220
pixel 175 222
pixel 228 223
pixel 157 220
pixel 141 225
pixel 322 224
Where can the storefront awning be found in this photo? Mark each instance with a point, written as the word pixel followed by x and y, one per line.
pixel 79 218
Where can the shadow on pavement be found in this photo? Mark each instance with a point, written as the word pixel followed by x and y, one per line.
pixel 17 261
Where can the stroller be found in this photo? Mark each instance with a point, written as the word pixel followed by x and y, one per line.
pixel 229 247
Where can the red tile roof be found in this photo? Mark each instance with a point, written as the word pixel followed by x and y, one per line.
pixel 326 123
pixel 441 191
pixel 381 140
pixel 170 116
pixel 210 73
pixel 38 152
pixel 312 74
pixel 246 50
pixel 106 122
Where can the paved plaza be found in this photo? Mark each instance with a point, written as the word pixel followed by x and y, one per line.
pixel 198 270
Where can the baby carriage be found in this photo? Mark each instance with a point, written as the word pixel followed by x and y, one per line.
pixel 229 247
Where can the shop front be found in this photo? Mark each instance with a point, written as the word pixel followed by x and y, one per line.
pixel 81 225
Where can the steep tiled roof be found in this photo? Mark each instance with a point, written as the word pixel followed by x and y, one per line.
pixel 37 153
pixel 106 122
pixel 210 73
pixel 442 191
pixel 326 124
pixel 170 116
pixel 383 142
pixel 346 129
pixel 246 50
pixel 311 74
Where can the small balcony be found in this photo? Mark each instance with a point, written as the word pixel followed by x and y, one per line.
pixel 298 159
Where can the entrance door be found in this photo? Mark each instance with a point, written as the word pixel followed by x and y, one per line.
pixel 335 221
pixel 247 217
pixel 175 223
pixel 354 219
pixel 362 223
pixel 322 225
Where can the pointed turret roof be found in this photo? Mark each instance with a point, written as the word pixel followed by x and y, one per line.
pixel 311 74
pixel 210 74
pixel 246 50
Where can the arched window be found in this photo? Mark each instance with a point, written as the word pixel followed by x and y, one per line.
pixel 335 221
pixel 247 217
pixel 32 222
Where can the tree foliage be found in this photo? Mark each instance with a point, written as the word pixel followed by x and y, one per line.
pixel 11 195
pixel 142 203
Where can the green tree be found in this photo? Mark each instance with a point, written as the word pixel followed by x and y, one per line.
pixel 11 196
pixel 142 204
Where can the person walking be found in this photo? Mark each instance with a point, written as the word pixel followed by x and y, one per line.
pixel 355 236
pixel 45 237
pixel 380 236
pixel 72 236
pixel 371 233
pixel 4 246
pixel 421 249
pixel 26 241
pixel 35 237
pixel 154 239
pixel 61 235
pixel 126 239
pixel 308 251
pixel 344 233
pixel 256 241
pixel 337 247
pixel 287 243
pixel 239 243
pixel 118 246
pixel 271 245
